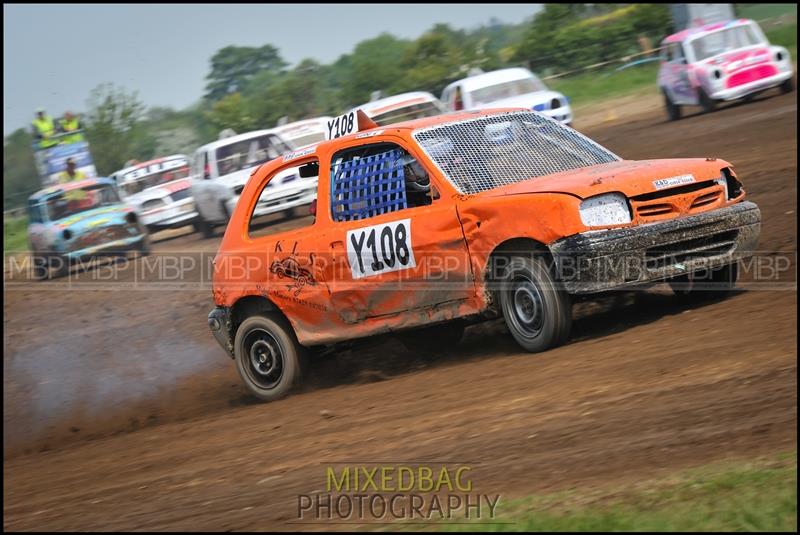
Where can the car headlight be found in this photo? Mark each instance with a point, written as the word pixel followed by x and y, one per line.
pixel 606 209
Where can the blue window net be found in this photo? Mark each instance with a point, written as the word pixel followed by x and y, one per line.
pixel 369 186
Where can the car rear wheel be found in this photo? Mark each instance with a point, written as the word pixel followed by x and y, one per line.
pixel 436 338
pixel 707 103
pixel 268 356
pixel 673 110
pixel 717 281
pixel 536 308
pixel 787 86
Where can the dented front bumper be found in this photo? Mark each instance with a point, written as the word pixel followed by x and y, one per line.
pixel 597 261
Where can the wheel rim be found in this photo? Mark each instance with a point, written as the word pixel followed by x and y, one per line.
pixel 264 359
pixel 527 306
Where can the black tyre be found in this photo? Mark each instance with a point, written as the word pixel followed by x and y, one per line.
pixel 41 267
pixel 707 103
pixel 787 86
pixel 673 110
pixel 202 226
pixel 145 246
pixel 62 266
pixel 268 357
pixel 536 308
pixel 436 338
pixel 715 282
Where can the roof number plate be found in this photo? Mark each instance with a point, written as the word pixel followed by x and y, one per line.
pixel 341 126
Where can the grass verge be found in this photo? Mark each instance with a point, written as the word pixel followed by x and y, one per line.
pixel 759 495
pixel 15 232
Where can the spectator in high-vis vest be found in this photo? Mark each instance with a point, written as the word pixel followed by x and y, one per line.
pixel 70 123
pixel 71 174
pixel 44 129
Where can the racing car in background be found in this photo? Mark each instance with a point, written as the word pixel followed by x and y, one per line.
pixel 720 62
pixel 221 169
pixel 304 133
pixel 79 220
pixel 402 107
pixel 159 190
pixel 515 87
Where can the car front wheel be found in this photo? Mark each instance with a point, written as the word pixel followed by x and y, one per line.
pixel 717 281
pixel 202 226
pixel 673 110
pixel 787 86
pixel 268 356
pixel 536 308
pixel 707 103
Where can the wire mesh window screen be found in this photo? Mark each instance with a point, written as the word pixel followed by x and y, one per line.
pixel 368 186
pixel 491 151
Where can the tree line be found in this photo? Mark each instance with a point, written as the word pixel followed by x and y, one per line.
pixel 254 87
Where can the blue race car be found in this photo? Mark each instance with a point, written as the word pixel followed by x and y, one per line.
pixel 80 220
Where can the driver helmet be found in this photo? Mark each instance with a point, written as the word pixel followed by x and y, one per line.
pixel 416 177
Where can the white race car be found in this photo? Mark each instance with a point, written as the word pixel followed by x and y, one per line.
pixel 304 133
pixel 403 107
pixel 158 190
pixel 221 169
pixel 507 88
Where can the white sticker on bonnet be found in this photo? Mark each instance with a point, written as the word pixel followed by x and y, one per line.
pixel 673 181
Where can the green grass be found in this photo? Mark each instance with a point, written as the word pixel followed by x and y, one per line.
pixel 753 496
pixel 786 36
pixel 15 234
pixel 764 11
pixel 599 85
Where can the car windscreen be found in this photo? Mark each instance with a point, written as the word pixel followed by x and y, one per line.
pixel 75 201
pixel 140 184
pixel 496 150
pixel 513 88
pixel 721 41
pixel 249 153
pixel 407 113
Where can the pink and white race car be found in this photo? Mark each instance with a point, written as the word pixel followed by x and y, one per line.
pixel 720 62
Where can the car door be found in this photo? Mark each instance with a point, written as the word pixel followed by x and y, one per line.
pixel 683 92
pixel 391 250
pixel 202 190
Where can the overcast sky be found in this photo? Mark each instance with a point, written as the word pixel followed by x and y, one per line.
pixel 54 55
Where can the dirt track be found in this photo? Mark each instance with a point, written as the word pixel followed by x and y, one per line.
pixel 107 429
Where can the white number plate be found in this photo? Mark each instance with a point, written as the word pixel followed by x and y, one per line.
pixel 342 125
pixel 380 249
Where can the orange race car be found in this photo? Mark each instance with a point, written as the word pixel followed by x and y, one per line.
pixel 424 226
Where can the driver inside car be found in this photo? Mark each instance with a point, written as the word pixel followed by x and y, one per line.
pixel 418 183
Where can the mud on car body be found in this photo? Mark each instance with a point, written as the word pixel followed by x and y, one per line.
pixel 426 225
pixel 720 62
pixel 78 220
